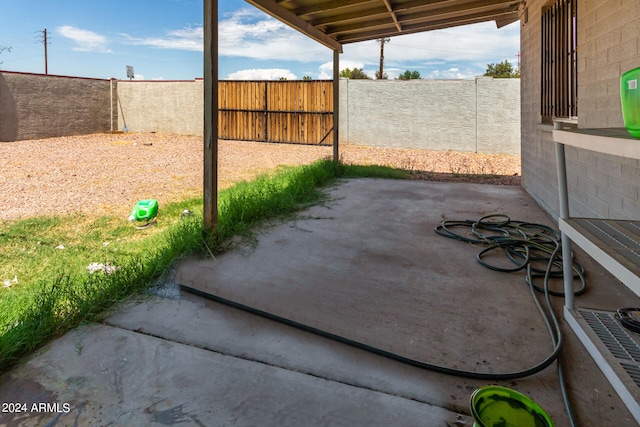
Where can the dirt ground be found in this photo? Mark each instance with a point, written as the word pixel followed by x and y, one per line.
pixel 108 173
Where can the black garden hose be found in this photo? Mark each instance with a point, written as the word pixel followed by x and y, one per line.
pixel 629 318
pixel 525 243
pixel 524 246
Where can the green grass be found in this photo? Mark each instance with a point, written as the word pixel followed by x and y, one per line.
pixel 55 291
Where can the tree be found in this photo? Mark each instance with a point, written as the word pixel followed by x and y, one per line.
pixel 307 78
pixel 5 49
pixel 503 70
pixel 356 73
pixel 409 75
pixel 385 76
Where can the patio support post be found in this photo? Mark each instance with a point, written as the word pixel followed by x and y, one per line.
pixel 210 187
pixel 567 260
pixel 336 106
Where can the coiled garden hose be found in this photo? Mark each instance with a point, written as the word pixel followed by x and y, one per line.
pixel 629 318
pixel 524 247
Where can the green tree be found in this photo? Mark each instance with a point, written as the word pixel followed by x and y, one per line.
pixel 385 76
pixel 503 70
pixel 409 75
pixel 307 78
pixel 356 73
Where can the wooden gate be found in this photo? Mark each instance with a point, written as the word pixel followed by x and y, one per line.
pixel 295 112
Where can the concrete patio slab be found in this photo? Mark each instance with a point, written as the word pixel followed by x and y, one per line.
pixel 368 266
pixel 176 358
pixel 111 376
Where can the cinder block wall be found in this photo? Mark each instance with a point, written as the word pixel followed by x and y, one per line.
pixel 479 115
pixel 608 34
pixel 161 106
pixel 498 115
pixel 461 115
pixel 600 186
pixel 537 149
pixel 36 106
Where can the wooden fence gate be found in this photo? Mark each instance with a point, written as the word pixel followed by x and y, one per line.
pixel 295 112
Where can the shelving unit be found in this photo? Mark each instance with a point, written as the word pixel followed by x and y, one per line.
pixel 614 244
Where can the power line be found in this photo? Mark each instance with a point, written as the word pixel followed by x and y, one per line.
pixel 19 37
pixel 19 41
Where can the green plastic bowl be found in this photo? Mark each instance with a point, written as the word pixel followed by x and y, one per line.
pixel 495 406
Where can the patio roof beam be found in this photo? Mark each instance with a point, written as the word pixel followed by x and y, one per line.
pixel 337 22
pixel 393 15
pixel 330 5
pixel 327 21
pixel 378 32
pixel 480 8
pixel 474 7
pixel 293 20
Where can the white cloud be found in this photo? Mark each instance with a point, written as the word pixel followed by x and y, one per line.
pixel 459 53
pixel 262 74
pixel 87 41
pixel 252 34
pixel 452 73
pixel 475 43
pixel 247 33
pixel 435 54
pixel 190 38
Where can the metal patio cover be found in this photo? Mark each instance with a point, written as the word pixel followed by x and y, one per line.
pixel 337 22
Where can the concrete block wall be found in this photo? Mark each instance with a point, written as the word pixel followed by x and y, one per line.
pixel 460 115
pixel 608 38
pixel 600 185
pixel 161 106
pixel 498 115
pixel 538 164
pixel 36 106
pixel 479 115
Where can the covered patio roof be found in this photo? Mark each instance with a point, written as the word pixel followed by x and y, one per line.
pixel 337 22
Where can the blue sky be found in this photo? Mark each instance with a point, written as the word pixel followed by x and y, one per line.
pixel 162 39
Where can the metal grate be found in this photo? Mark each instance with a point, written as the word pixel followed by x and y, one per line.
pixel 621 345
pixel 621 237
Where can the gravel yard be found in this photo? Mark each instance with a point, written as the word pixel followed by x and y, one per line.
pixel 108 173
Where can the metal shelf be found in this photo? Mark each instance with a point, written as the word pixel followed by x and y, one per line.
pixel 614 244
pixel 613 141
pixel 616 353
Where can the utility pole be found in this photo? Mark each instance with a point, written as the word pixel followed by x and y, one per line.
pixel 46 63
pixel 382 42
